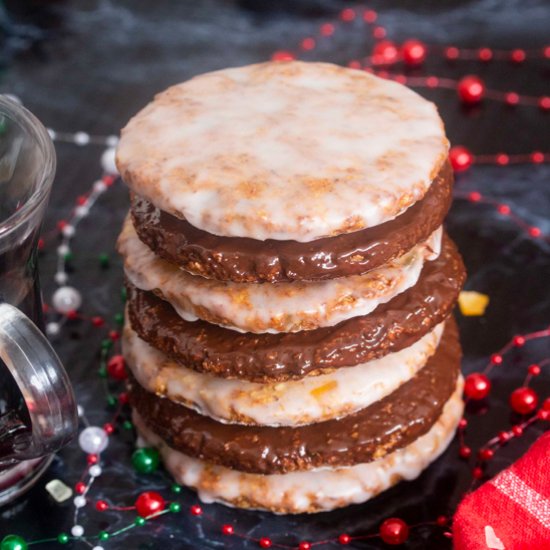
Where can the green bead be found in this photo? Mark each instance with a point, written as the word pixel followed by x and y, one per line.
pixel 127 425
pixel 119 319
pixel 145 460
pixel 111 400
pixel 13 542
pixel 176 488
pixel 139 521
pixel 107 343
pixel 68 257
pixel 62 538
pixel 103 535
pixel 104 260
pixel 102 372
pixel 123 294
pixel 175 507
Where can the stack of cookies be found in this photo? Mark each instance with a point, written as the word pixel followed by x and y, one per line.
pixel 290 287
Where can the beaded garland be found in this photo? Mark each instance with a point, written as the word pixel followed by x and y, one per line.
pixel 66 300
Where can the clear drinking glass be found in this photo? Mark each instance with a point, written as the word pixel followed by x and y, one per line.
pixel 37 405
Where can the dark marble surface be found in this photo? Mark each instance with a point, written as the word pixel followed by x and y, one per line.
pixel 89 65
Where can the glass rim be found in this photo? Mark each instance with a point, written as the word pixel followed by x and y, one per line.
pixel 31 125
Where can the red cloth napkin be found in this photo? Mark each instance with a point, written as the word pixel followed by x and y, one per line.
pixel 511 511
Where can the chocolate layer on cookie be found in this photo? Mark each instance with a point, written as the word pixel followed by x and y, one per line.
pixel 385 426
pixel 240 259
pixel 267 357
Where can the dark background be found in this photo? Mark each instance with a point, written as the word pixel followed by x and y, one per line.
pixel 89 65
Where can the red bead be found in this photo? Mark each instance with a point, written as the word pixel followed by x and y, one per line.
pixel 496 359
pixel 511 98
pixel 109 428
pixel 108 180
pixel 92 459
pixel 385 53
pixel 401 78
pixel 327 29
pixel 354 64
pixel 477 386
pixel 461 158
pixel 414 52
pixel 543 415
pixel 114 335
pixel 502 159
pixel 471 89
pixel 308 44
pixel 504 437
pixel 432 81
pixel 116 368
pixel 196 510
pixel 379 33
pixel 72 315
pixel 546 404
pixel 344 538
pixel 41 244
pixel 370 16
pixel 98 321
pixel 282 55
pixel 474 196
pixel 394 531
pixel 518 56
pixel 519 341
pixel 537 157
pixel 81 200
pixel 517 430
pixel 227 529
pixel 442 520
pixel 503 209
pixel 347 15
pixel 546 52
pixel 149 503
pixel 465 452
pixel 485 54
pixel 451 53
pixel 477 473
pixel 265 542
pixel 523 400
pixel 534 370
pixel 304 545
pixel 486 454
pixel 535 231
pixel 61 224
pixel 80 487
pixel 123 398
pixel 101 506
pixel 544 103
pixel 462 423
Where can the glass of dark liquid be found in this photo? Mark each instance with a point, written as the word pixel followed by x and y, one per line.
pixel 37 406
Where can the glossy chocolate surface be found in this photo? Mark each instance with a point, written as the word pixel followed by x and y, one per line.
pixel 247 260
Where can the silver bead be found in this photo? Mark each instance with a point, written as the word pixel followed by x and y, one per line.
pixel 93 440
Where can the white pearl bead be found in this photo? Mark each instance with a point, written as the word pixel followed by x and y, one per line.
pixel 81 211
pixel 61 277
pixel 63 249
pixel 66 298
pixel 95 471
pixel 93 440
pixel 52 133
pixel 81 138
pixel 14 98
pixel 52 329
pixel 108 161
pixel 99 186
pixel 98 548
pixel 68 231
pixel 79 501
pixel 112 141
pixel 77 531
